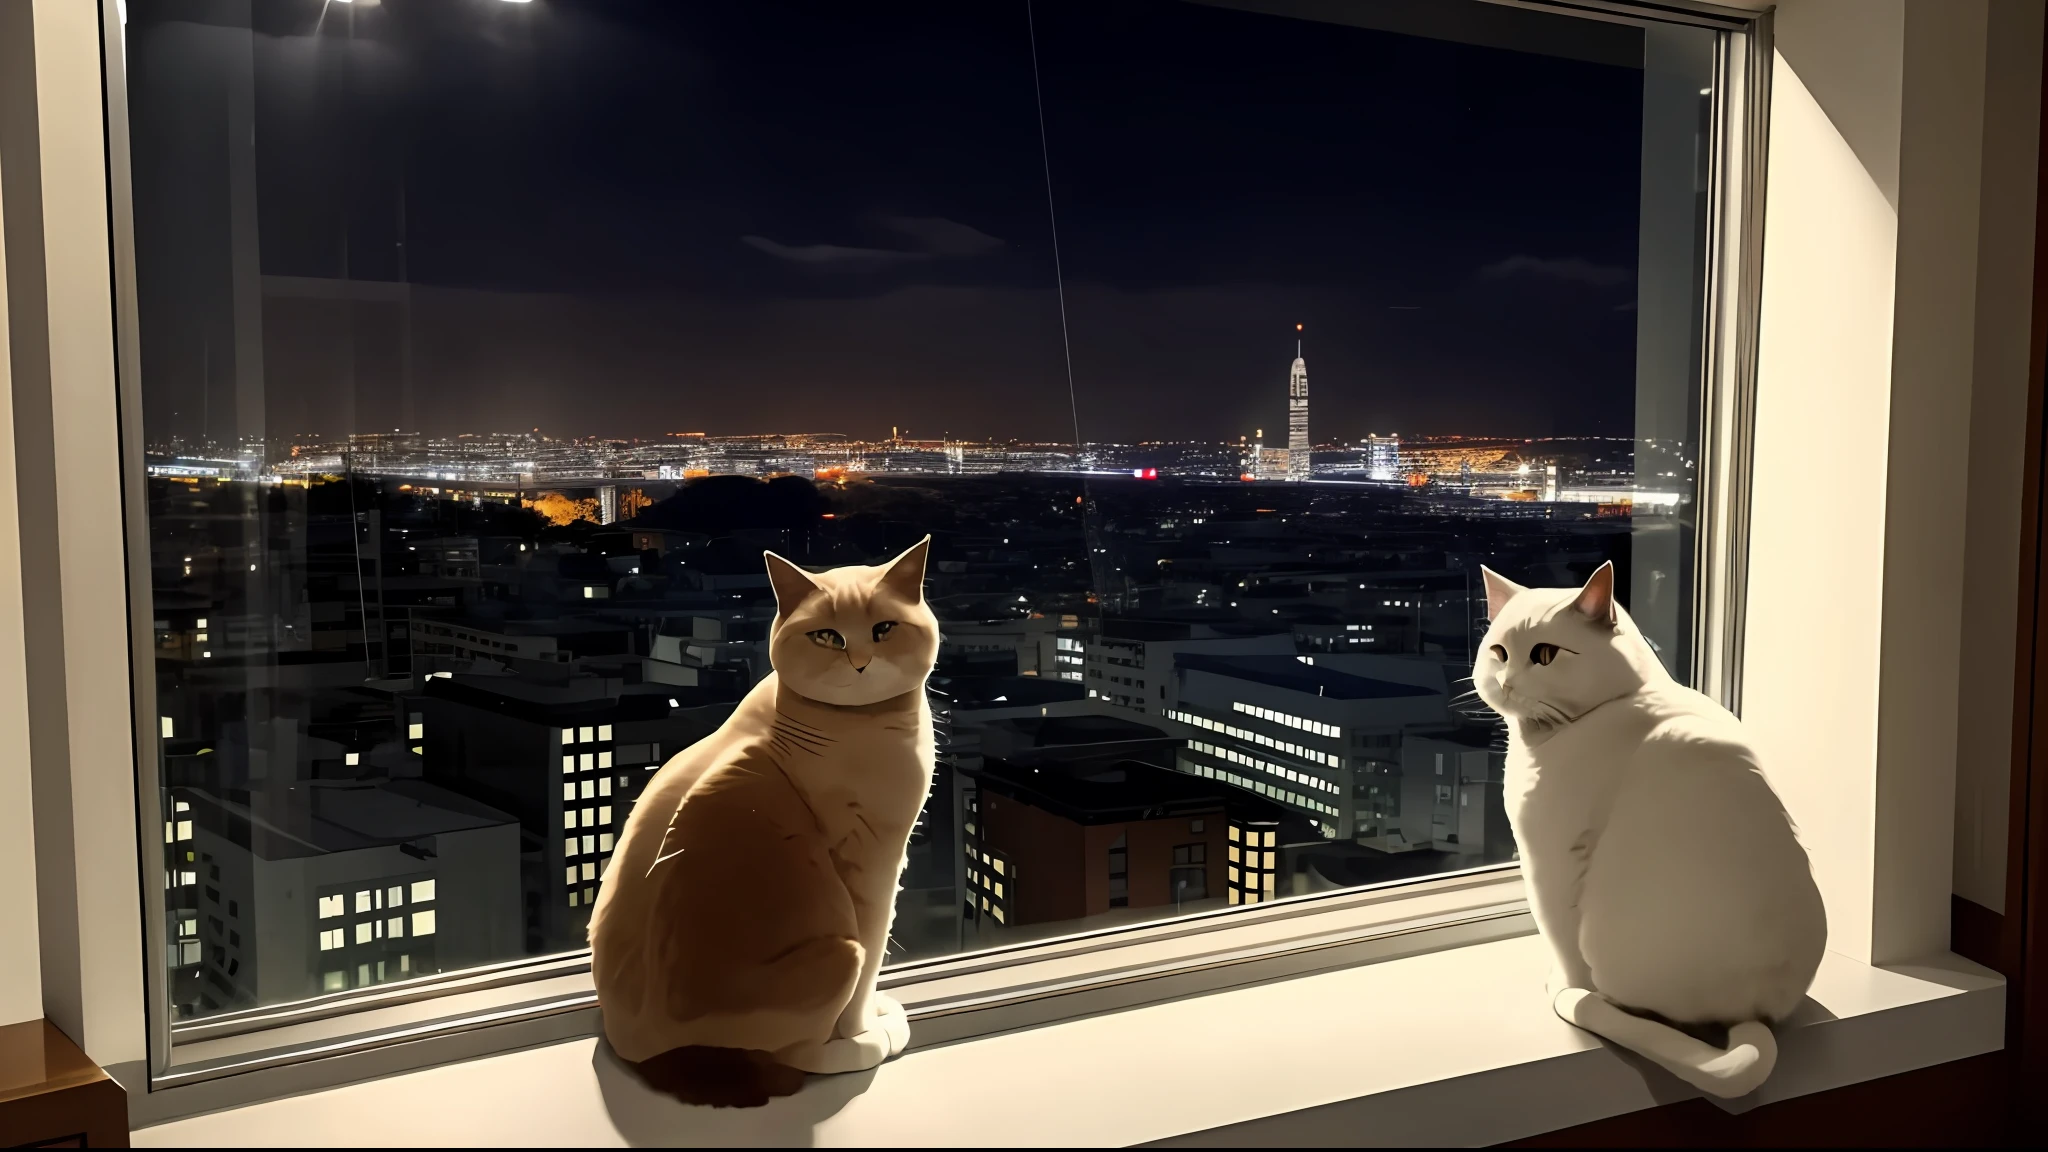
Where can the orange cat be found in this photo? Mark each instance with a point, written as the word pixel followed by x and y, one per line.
pixel 741 925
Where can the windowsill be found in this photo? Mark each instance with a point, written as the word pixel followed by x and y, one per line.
pixel 1451 1047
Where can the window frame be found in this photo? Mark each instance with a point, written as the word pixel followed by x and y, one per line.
pixel 1301 932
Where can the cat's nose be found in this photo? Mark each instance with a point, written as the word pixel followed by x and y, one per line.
pixel 863 665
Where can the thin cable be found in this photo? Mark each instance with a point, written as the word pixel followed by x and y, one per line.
pixel 1052 218
pixel 355 533
pixel 1059 276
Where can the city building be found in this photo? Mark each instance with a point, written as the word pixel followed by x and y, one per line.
pixel 1308 736
pixel 355 884
pixel 1130 662
pixel 1442 794
pixel 1299 448
pixel 1382 457
pixel 1070 817
pixel 566 761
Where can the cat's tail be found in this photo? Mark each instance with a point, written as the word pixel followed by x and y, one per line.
pixel 1724 1072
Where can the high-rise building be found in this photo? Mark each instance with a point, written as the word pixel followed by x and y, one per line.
pixel 1382 457
pixel 1305 736
pixel 1297 416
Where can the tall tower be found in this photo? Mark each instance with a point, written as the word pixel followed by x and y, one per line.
pixel 1297 415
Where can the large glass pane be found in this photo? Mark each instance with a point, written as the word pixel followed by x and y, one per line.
pixel 1355 306
pixel 485 346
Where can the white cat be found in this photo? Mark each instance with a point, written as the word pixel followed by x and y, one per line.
pixel 1662 869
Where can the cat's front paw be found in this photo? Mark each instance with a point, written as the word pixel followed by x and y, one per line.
pixel 891 1020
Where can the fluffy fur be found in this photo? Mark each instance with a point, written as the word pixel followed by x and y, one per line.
pixel 1662 869
pixel 739 930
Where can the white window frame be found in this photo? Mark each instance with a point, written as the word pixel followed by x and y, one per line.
pixel 96 971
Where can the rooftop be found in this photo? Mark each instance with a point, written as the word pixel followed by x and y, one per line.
pixel 583 700
pixel 1186 624
pixel 965 692
pixel 345 817
pixel 1290 673
pixel 1124 790
pixel 1088 732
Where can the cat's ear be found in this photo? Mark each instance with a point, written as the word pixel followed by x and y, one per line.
pixel 790 582
pixel 1499 590
pixel 905 574
pixel 1596 599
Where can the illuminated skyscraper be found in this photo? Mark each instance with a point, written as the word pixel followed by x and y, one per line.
pixel 1297 415
pixel 1382 457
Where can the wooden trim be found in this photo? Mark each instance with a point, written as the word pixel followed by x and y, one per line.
pixel 53 1096
pixel 1977 933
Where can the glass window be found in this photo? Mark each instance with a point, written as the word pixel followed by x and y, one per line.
pixel 1216 345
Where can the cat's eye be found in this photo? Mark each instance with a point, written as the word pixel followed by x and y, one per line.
pixel 1543 653
pixel 883 629
pixel 827 638
pixel 1499 653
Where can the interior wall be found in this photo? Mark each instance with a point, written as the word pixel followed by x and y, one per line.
pixel 1990 563
pixel 1892 365
pixel 1815 593
pixel 21 981
pixel 75 629
pixel 1934 337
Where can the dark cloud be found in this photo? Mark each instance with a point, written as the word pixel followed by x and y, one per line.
pixel 828 253
pixel 932 237
pixel 1568 269
pixel 939 236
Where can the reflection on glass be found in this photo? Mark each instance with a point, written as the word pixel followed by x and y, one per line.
pixel 486 346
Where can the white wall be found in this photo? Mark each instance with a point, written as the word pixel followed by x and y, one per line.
pixel 21 981
pixel 1810 675
pixel 1870 662
pixel 74 627
pixel 1941 136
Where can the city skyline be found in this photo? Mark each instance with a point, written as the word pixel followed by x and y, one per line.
pixel 1293 394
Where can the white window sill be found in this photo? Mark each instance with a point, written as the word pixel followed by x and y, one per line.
pixel 1457 1047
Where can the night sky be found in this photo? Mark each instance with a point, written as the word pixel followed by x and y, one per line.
pixel 631 218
